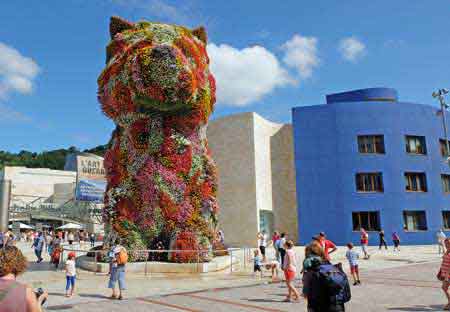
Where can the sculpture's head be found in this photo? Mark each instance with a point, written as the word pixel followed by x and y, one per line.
pixel 155 69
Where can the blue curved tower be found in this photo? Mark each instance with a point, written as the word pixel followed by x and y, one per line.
pixel 366 159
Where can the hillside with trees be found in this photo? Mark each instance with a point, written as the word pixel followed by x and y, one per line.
pixel 54 159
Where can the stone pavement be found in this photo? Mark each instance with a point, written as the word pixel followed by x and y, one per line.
pixel 402 281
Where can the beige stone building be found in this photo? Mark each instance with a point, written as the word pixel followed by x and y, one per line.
pixel 255 160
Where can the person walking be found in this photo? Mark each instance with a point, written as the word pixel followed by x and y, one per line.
pixel 262 244
pixel 328 246
pixel 257 263
pixel 364 243
pixel 440 238
pixel 382 240
pixel 92 239
pixel 396 241
pixel 444 272
pixel 38 245
pixel 15 296
pixel 290 270
pixel 315 290
pixel 70 238
pixel 119 258
pixel 275 238
pixel 70 274
pixel 281 245
pixel 352 257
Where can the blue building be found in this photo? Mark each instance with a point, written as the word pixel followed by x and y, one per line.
pixel 367 160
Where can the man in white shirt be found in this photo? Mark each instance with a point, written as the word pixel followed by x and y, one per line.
pixel 440 237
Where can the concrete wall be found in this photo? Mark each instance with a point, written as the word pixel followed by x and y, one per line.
pixel 327 159
pixel 283 182
pixel 246 148
pixel 28 184
pixel 231 142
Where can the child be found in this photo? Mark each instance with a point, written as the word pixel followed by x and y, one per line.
pixel 70 274
pixel 274 267
pixel 396 241
pixel 352 257
pixel 257 263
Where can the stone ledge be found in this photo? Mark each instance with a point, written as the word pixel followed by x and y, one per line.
pixel 217 264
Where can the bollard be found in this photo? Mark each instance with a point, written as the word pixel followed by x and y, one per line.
pixel 95 262
pixel 231 260
pixel 146 260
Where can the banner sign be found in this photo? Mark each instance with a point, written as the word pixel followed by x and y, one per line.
pixel 90 190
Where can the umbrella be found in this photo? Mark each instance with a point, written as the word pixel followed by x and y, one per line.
pixel 70 226
pixel 22 226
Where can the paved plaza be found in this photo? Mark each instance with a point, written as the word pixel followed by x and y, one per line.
pixel 390 282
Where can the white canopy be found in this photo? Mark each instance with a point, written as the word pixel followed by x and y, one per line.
pixel 70 226
pixel 23 226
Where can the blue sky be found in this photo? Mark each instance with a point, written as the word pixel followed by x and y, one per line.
pixel 267 56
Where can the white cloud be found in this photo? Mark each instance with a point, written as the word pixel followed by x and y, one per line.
pixel 245 76
pixel 301 54
pixel 157 8
pixel 352 49
pixel 16 71
pixel 9 115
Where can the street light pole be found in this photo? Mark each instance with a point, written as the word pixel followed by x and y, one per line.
pixel 440 95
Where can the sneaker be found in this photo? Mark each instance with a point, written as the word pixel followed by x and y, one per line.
pixel 359 282
pixel 355 283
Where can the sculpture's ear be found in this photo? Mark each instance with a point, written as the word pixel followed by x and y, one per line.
pixel 200 33
pixel 117 25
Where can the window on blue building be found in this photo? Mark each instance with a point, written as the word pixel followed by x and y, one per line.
pixel 371 144
pixel 416 145
pixel 415 182
pixel 445 182
pixel 369 182
pixel 446 219
pixel 444 150
pixel 414 220
pixel 368 220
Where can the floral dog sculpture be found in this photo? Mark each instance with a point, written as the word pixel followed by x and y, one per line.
pixel 162 181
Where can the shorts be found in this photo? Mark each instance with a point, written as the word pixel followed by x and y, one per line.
pixel 70 242
pixel 396 243
pixel 263 250
pixel 70 282
pixel 354 269
pixel 289 275
pixel 117 275
pixel 257 268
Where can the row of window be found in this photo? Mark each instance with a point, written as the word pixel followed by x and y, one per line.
pixel 374 144
pixel 414 182
pixel 412 220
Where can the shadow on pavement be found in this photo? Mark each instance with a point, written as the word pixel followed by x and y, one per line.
pixel 263 300
pixel 93 296
pixel 418 308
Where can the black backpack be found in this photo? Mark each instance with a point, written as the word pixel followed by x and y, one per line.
pixel 328 285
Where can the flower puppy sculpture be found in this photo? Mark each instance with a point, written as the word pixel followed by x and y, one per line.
pixel 162 181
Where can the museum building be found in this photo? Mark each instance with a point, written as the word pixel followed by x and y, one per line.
pixel 367 160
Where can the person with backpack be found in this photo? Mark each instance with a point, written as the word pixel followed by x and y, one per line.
pixel 38 245
pixel 325 286
pixel 119 258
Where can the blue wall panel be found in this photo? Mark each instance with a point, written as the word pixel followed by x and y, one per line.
pixel 327 159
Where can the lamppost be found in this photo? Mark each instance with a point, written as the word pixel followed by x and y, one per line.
pixel 440 95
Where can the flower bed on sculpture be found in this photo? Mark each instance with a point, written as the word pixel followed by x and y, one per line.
pixel 162 182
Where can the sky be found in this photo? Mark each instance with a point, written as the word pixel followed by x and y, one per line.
pixel 267 57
